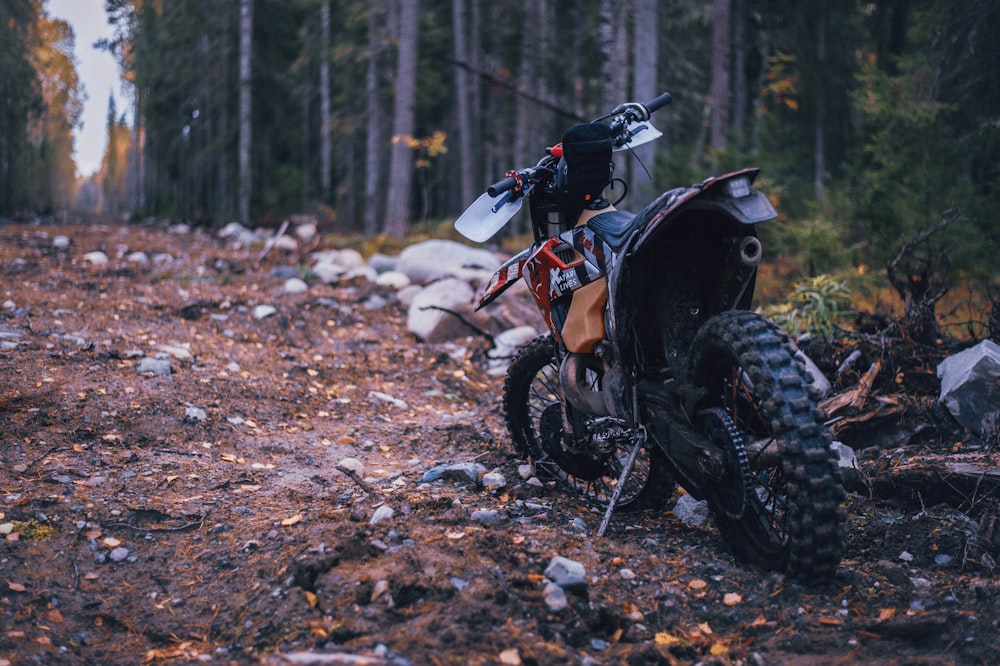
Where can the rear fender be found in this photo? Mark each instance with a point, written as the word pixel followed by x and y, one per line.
pixel 731 194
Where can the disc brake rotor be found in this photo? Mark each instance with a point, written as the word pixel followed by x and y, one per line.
pixel 732 492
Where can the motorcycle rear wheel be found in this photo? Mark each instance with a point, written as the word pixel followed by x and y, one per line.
pixel 533 412
pixel 793 521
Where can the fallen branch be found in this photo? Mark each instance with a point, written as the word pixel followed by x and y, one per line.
pixel 356 478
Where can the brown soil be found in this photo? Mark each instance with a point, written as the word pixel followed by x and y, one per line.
pixel 136 532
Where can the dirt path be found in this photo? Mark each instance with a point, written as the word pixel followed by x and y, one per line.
pixel 199 516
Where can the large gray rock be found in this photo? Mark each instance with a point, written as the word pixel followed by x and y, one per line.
pixel 970 384
pixel 436 259
pixel 429 315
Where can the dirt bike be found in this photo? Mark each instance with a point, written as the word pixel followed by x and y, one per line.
pixel 654 370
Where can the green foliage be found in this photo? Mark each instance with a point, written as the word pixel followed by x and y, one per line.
pixel 816 305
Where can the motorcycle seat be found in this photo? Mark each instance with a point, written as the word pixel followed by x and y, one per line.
pixel 614 227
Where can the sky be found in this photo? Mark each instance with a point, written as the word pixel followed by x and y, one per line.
pixel 98 75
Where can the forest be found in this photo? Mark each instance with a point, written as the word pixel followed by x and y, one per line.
pixel 873 122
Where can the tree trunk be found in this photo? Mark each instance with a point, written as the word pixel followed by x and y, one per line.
pixel 819 149
pixel 740 85
pixel 644 88
pixel 613 54
pixel 720 77
pixel 373 162
pixel 246 174
pixel 465 155
pixel 326 140
pixel 401 163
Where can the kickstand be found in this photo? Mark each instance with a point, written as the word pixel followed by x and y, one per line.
pixel 640 439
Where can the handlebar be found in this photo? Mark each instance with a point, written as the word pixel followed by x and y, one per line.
pixel 658 103
pixel 622 115
pixel 501 186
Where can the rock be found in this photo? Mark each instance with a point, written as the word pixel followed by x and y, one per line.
pixel 383 263
pixel 238 234
pixel 506 345
pixel 970 384
pixel 157 366
pixel 263 311
pixel 386 398
pixel 493 480
pixel 819 380
pixel 137 258
pixel 351 259
pixel 286 243
pixel 437 259
pixel 565 572
pixel 306 231
pixel 176 351
pixel 382 514
pixel 691 512
pixel 96 258
pixel 555 597
pixel 354 465
pixel 408 293
pixel 847 461
pixel 119 554
pixel 283 272
pixel 426 317
pixel 392 280
pixel 195 414
pixel 366 272
pixel 487 516
pixel 328 271
pixel 460 472
pixel 60 242
pixel 295 286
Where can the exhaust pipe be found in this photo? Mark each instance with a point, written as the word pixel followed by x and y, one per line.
pixel 578 387
pixel 749 251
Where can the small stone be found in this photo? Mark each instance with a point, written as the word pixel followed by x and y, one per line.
pixel 354 465
pixel 119 554
pixel 627 574
pixel 178 352
pixel 562 570
pixel 525 471
pixel 487 516
pixel 493 480
pixel 96 258
pixel 385 397
pixel 195 414
pixel 393 280
pixel 555 597
pixel 263 311
pixel 295 286
pixel 382 514
pixel 60 242
pixel 691 512
pixel 157 366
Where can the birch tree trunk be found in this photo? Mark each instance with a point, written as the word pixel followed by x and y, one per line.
pixel 401 161
pixel 326 142
pixel 246 126
pixel 720 76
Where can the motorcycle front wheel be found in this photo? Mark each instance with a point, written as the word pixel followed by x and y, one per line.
pixel 534 414
pixel 780 508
